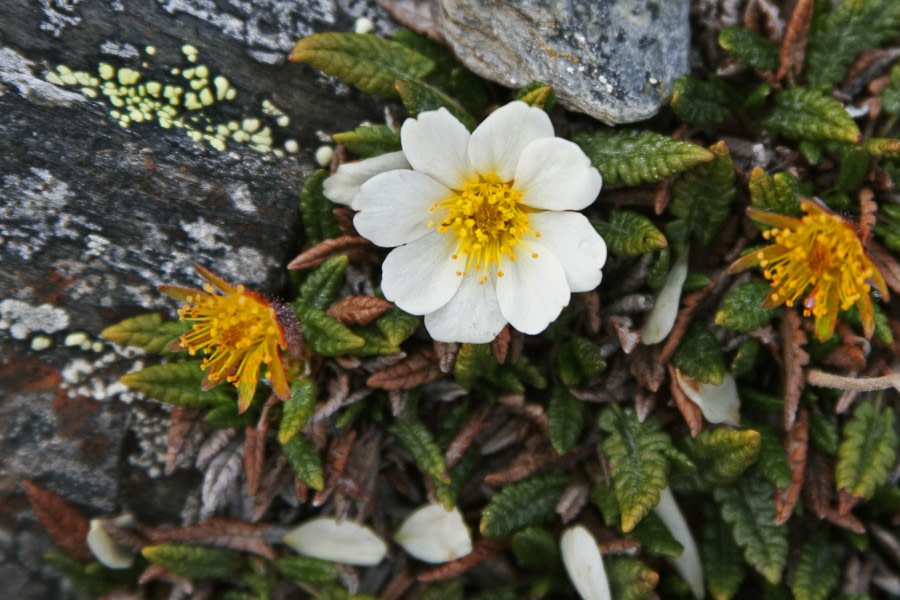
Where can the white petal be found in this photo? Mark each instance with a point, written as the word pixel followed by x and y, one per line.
pixel 420 277
pixel 555 174
pixel 435 535
pixel 688 564
pixel 345 542
pixel 108 551
pixel 533 291
pixel 575 243
pixel 394 207
pixel 583 562
pixel 495 146
pixel 718 403
pixel 472 316
pixel 436 144
pixel 659 322
pixel 343 186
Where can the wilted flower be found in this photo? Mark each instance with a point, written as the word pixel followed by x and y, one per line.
pixel 819 250
pixel 238 331
pixel 481 223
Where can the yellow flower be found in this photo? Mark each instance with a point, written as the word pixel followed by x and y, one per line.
pixel 237 330
pixel 819 250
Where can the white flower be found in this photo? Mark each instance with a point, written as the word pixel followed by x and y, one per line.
pixel 481 223
pixel 583 563
pixel 718 403
pixel 435 535
pixel 342 542
pixel 688 564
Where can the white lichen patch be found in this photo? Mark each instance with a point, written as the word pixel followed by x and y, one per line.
pixel 241 197
pixel 18 71
pixel 151 434
pixel 120 49
pixel 205 234
pixel 22 319
pixel 59 14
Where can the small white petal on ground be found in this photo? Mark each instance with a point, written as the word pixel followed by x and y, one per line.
pixel 108 551
pixel 718 403
pixel 662 317
pixel 688 564
pixel 345 542
pixel 581 557
pixel 435 535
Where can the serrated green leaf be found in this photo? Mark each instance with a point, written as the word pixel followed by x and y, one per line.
pixel 589 357
pixel 529 373
pixel 176 383
pixel 742 308
pixel 303 569
pixel 811 151
pixel 376 343
pixel 699 355
pixel 194 562
pixel 321 287
pixel 319 222
pixel 85 578
pixel 779 194
pixel 148 332
pixel 630 578
pixel 460 475
pixel 723 567
pixel 567 370
pixel 837 37
pixel 537 94
pixel 749 48
pixel 566 416
pixel 527 502
pixel 369 140
pixel 700 103
pixel 745 358
pixel 226 416
pixel 535 548
pixel 887 147
pixel 659 270
pixel 890 97
pixel 416 438
pixel 637 461
pixel 773 460
pixel 397 325
pixel 823 433
pixel 630 234
pixel 868 450
pixel 298 409
pixel 472 362
pixel 722 455
pixel 694 282
pixel 362 60
pixel 854 167
pixel 702 197
pixel 655 537
pixel 747 506
pixel 418 96
pixel 818 569
pixel 635 157
pixel 810 115
pixel 302 455
pixel 325 335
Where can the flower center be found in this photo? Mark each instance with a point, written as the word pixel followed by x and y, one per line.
pixel 488 222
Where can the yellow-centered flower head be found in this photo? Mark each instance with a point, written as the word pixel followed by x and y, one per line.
pixel 237 330
pixel 820 250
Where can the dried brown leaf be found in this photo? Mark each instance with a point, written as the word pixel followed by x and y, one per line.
pixel 689 411
pixel 185 435
pixel 335 464
pixel 465 436
pixel 66 524
pixel 344 216
pixel 795 444
pixel 277 474
pixel 482 549
pixel 417 369
pixel 446 353
pixel 847 521
pixel 868 214
pixel 628 337
pixel 220 533
pixel 573 499
pixel 359 310
pixel 223 472
pixel 661 196
pixel 351 245
pixel 509 433
pixel 213 445
pixel 644 403
pixel 818 484
pixel 159 573
pixel 255 448
pixel 886 264
pixel 528 463
pixel 399 584
pixel 647 368
pixel 793 48
pixel 349 578
pixel 500 345
pixel 795 358
pixel 689 306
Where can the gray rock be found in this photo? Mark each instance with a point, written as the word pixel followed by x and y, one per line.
pixel 615 60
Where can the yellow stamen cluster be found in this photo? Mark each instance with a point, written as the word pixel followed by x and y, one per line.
pixel 488 221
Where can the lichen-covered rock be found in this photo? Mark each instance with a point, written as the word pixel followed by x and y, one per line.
pixel 613 60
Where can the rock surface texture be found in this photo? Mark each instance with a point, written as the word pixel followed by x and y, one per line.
pixel 611 59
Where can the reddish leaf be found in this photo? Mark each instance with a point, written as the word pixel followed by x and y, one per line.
pixel 795 444
pixel 793 48
pixel 419 368
pixel 795 358
pixel 350 245
pixel 185 435
pixel 398 586
pixel 359 310
pixel 344 216
pixel 336 463
pixel 868 210
pixel 689 411
pixel 847 521
pixel 628 337
pixel 647 368
pixel 886 264
pixel 446 353
pixel 65 523
pixel 818 484
pixel 500 345
pixel 482 550
pixel 573 499
pixel 278 473
pixel 463 439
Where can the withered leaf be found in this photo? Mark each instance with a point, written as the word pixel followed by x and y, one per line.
pixel 336 462
pixel 277 475
pixel 795 444
pixel 647 368
pixel 65 523
pixel 223 471
pixel 818 484
pixel 344 216
pixel 463 439
pixel 847 521
pixel 692 414
pixel 213 446
pixel 886 264
pixel 482 549
pixel 359 310
pixel 419 368
pixel 573 499
pixel 220 533
pixel 795 358
pixel 500 345
pixel 446 353
pixel 868 210
pixel 628 337
pixel 793 48
pixel 185 435
pixel 351 245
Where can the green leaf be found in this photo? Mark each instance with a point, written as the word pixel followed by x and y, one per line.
pixel 369 140
pixel 699 355
pixel 535 548
pixel 176 383
pixel 194 562
pixel 149 332
pixel 773 460
pixel 888 147
pixel 659 270
pixel 588 355
pixel 637 461
pixel 635 157
pixel 567 370
pixel 747 507
pixel 722 455
pixel 742 309
pixel 809 115
pixel 298 409
pixel 811 151
pixel 319 222
pixel 418 96
pixel 630 578
pixel 745 358
pixel 416 438
pixel 823 433
pixel 302 455
pixel 472 362
pixel 749 48
pixel 818 569
pixel 460 475
pixel 325 335
pixel 890 97
pixel 87 580
pixel 655 537
pixel 867 451
pixel 376 343
pixel 700 103
pixel 702 196
pixel 630 234
pixel 303 569
pixel 363 60
pixel 321 287
pixel 226 416
pixel 527 502
pixel 604 497
pixel 537 94
pixel 779 194
pixel 566 416
pixel 397 325
pixel 854 167
pixel 837 37
pixel 723 567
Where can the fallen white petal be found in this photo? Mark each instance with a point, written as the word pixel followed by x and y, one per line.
pixel 688 564
pixel 718 403
pixel 435 535
pixel 662 317
pixel 108 551
pixel 581 556
pixel 345 542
